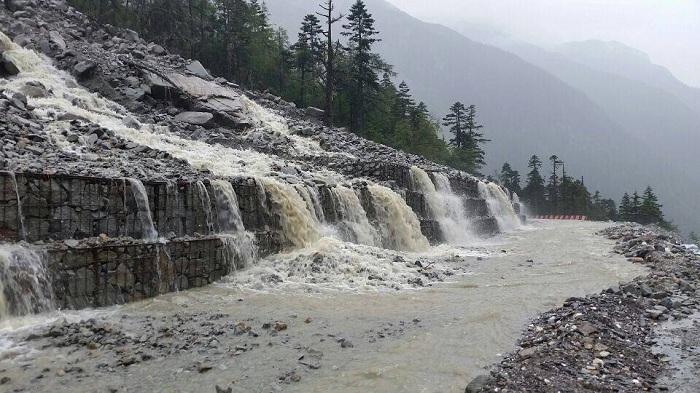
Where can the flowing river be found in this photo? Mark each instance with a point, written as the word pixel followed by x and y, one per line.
pixel 290 339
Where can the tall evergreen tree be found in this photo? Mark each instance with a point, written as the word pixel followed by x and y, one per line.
pixel 362 35
pixel 475 140
pixel 328 8
pixel 553 186
pixel 626 210
pixel 650 209
pixel 635 207
pixel 308 51
pixel 534 192
pixel 456 120
pixel 510 178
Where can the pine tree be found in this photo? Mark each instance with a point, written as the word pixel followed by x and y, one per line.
pixel 553 186
pixel 308 52
pixel 510 178
pixel 626 208
pixel 361 35
pixel 635 207
pixel 404 102
pixel 456 120
pixel 475 139
pixel 328 8
pixel 534 191
pixel 650 209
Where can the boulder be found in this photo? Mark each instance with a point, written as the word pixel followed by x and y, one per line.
pixel 19 100
pixel 8 66
pixel 160 88
pixel 134 94
pixel 131 35
pixel 477 384
pixel 157 50
pixel 315 113
pixel 34 90
pixel 16 5
pixel 84 68
pixel 197 69
pixel 22 40
pixel 56 38
pixel 196 118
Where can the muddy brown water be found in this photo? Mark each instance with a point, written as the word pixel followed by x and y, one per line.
pixel 428 340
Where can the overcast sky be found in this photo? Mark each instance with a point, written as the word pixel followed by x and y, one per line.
pixel 668 30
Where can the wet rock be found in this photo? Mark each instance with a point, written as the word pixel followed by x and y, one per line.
pixel 197 69
pixel 84 68
pixel 586 328
pixel 130 35
pixel 195 118
pixel 157 50
pixel 315 113
pixel 56 38
pixel 19 100
pixel 35 90
pixel 7 65
pixel 477 384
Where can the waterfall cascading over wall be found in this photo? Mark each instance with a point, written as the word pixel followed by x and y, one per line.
pixel 298 225
pixel 313 201
pixel 242 250
pixel 457 227
pixel 500 206
pixel 25 283
pixel 445 206
pixel 398 225
pixel 144 210
pixel 352 219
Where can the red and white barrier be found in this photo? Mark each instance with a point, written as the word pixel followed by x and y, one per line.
pixel 560 217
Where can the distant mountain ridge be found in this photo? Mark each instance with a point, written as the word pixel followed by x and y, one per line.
pixel 529 109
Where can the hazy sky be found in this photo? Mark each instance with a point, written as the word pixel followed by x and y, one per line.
pixel 668 30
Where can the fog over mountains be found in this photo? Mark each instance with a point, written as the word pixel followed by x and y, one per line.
pixel 604 108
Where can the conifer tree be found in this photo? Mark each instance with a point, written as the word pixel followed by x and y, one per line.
pixel 626 208
pixel 650 209
pixel 510 178
pixel 534 191
pixel 308 51
pixel 404 102
pixel 553 186
pixel 328 8
pixel 456 120
pixel 475 140
pixel 361 35
pixel 635 207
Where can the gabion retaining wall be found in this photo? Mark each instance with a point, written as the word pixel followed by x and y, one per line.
pixel 59 207
pixel 114 274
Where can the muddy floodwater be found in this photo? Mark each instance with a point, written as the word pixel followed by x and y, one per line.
pixel 432 339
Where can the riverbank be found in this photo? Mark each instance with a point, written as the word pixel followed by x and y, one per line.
pixel 295 339
pixel 625 338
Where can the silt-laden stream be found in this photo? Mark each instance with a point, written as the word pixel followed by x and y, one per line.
pixel 427 340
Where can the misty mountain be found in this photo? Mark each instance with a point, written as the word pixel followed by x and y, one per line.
pixel 619 59
pixel 526 108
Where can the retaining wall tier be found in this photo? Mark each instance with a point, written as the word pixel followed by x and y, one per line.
pixel 59 207
pixel 105 275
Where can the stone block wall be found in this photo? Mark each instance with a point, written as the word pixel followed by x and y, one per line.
pixel 59 207
pixel 114 274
